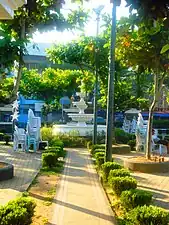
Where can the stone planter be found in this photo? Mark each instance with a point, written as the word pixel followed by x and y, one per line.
pixel 6 172
pixel 146 167
pixel 121 149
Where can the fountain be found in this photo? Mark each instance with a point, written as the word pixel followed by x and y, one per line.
pixel 79 121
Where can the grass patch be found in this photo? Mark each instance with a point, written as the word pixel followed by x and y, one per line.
pixel 43 189
pixel 3 143
pixel 35 181
pixel 48 200
pixel 52 191
pixel 45 221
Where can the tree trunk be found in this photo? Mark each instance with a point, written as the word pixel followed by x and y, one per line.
pixel 110 98
pixel 138 88
pixel 19 74
pixel 149 131
pixel 157 91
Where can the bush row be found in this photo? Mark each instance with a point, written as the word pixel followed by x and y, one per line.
pixel 135 202
pixel 116 149
pixel 69 140
pixel 17 212
pixel 74 140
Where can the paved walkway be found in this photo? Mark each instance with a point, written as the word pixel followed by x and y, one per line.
pixel 157 183
pixel 80 198
pixel 26 167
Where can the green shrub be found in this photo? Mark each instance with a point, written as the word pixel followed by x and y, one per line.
pixel 49 159
pixel 121 136
pixel 47 134
pixel 55 148
pixel 160 124
pixel 120 149
pixel 89 144
pixel 134 197
pixel 147 215
pixel 107 166
pixel 7 139
pixel 119 173
pixel 59 151
pixel 100 153
pixel 97 147
pixel 55 142
pixel 99 161
pixel 120 184
pixel 1 136
pixel 69 140
pixel 98 150
pixel 118 124
pixel 132 144
pixel 17 212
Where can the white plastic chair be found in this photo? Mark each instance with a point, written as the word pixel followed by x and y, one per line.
pixel 19 138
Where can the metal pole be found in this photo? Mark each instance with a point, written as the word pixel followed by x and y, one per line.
pixel 110 98
pixel 98 12
pixel 96 88
pixel 62 112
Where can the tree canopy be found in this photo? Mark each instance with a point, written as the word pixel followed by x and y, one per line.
pixel 35 15
pixel 53 84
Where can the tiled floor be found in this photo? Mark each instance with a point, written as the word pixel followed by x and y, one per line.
pixel 26 167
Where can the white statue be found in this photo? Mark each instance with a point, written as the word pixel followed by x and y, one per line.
pixel 141 134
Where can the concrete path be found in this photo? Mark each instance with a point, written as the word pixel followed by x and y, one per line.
pixel 80 198
pixel 26 167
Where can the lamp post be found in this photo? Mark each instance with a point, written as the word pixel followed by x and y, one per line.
pixel 98 12
pixel 110 97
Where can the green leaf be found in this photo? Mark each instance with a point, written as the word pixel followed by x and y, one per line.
pixel 165 48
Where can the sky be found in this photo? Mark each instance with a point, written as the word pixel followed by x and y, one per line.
pixel 90 28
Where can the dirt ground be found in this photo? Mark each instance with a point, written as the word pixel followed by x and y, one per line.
pixel 43 191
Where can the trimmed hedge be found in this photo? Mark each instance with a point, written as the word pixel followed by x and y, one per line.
pixel 55 147
pixel 120 184
pixel 135 197
pixel 107 166
pixel 147 215
pixel 17 212
pixel 100 161
pixel 121 149
pixel 119 173
pixel 49 159
pixel 122 137
pixel 60 153
pixel 2 136
pixel 7 139
pixel 98 154
pixel 55 142
pixel 132 144
pixel 98 150
pixel 163 124
pixel 93 147
pixel 89 144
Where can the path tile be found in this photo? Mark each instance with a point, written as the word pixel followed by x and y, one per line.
pixel 26 167
pixel 80 197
